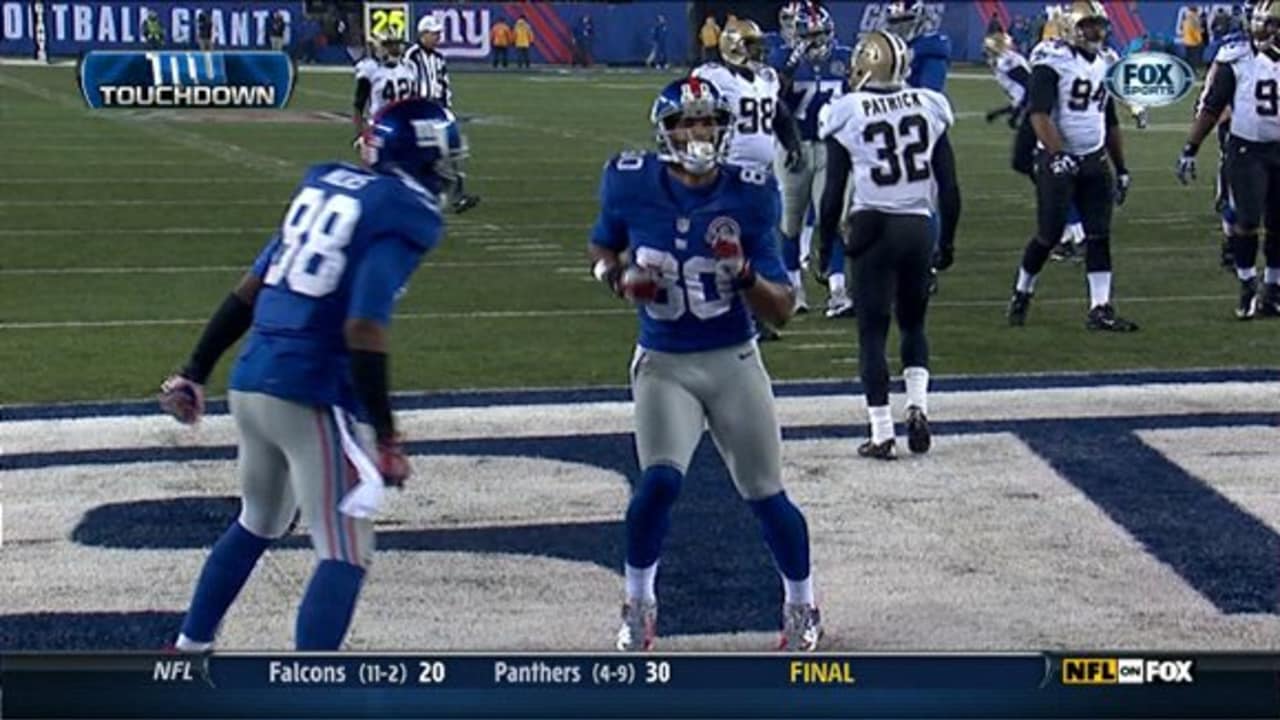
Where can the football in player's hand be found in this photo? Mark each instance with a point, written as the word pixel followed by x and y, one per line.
pixel 639 285
pixel 183 399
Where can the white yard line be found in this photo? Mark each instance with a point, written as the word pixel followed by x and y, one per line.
pixel 584 312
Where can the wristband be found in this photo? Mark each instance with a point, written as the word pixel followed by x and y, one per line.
pixel 1190 149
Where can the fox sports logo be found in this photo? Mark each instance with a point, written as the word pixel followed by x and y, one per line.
pixel 1150 79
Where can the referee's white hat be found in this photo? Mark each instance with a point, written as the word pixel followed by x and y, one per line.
pixel 430 23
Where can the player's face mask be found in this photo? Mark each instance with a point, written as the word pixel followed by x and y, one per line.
pixel 698 143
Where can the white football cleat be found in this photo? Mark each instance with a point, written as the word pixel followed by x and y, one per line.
pixel 801 628
pixel 639 626
pixel 839 305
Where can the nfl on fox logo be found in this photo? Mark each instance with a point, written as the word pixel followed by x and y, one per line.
pixel 1134 671
pixel 1150 79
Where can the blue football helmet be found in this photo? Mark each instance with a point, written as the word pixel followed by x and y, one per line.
pixel 907 20
pixel 816 30
pixel 418 137
pixel 681 139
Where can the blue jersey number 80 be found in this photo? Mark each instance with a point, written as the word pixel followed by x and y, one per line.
pixel 316 229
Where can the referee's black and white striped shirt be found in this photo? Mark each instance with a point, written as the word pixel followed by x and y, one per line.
pixel 433 74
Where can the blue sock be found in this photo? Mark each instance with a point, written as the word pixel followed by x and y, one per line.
pixel 1229 214
pixel 786 533
pixel 649 514
pixel 225 572
pixel 1073 214
pixel 326 610
pixel 835 263
pixel 791 252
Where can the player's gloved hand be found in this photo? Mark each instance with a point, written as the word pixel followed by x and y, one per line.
pixel 358 143
pixel 733 272
pixel 797 56
pixel 393 464
pixel 992 115
pixel 1186 170
pixel 1064 165
pixel 1123 181
pixel 638 284
pixel 1142 118
pixel 793 161
pixel 610 275
pixel 944 257
pixel 182 398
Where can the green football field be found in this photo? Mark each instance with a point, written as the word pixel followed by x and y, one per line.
pixel 120 232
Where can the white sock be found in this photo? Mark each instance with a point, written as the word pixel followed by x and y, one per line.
pixel 806 242
pixel 798 592
pixel 1271 276
pixel 187 645
pixel 1246 274
pixel 835 284
pixel 1026 281
pixel 796 277
pixel 881 423
pixel 917 381
pixel 1099 288
pixel 640 582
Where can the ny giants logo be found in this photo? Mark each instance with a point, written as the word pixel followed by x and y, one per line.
pixel 466 31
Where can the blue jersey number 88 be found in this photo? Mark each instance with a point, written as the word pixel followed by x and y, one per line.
pixel 316 229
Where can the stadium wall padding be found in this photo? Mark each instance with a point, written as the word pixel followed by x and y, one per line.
pixel 622 32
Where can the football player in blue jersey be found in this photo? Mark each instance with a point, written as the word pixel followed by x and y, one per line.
pixel 813 71
pixel 317 303
pixel 702 258
pixel 930 49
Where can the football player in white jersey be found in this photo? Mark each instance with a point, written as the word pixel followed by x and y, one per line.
pixel 1247 80
pixel 751 87
pixel 894 138
pixel 1012 72
pixel 1078 142
pixel 383 80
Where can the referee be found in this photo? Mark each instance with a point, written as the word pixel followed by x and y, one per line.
pixel 433 83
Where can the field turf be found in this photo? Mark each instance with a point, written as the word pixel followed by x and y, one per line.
pixel 120 232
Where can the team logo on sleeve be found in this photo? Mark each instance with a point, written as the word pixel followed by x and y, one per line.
pixel 1150 79
pixel 723 228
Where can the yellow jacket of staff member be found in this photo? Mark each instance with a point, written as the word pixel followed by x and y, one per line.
pixel 710 33
pixel 500 35
pixel 524 34
pixel 1050 31
pixel 1192 36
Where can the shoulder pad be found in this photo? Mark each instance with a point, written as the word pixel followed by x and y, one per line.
pixel 1232 51
pixel 626 167
pixel 833 115
pixel 708 68
pixel 1109 55
pixel 768 73
pixel 1051 52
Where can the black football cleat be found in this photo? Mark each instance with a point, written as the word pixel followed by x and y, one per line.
pixel 918 438
pixel 1269 303
pixel 465 202
pixel 1247 308
pixel 1104 318
pixel 1018 306
pixel 1063 251
pixel 887 450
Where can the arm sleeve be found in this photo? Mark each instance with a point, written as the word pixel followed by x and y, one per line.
pixel 1044 89
pixel 384 270
pixel 1112 120
pixel 831 207
pixel 610 230
pixel 785 127
pixel 1221 89
pixel 944 170
pixel 364 89
pixel 1020 75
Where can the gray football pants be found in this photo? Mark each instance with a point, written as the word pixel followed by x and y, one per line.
pixel 291 457
pixel 729 391
pixel 802 186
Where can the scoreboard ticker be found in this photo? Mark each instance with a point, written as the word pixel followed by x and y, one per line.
pixel 465 685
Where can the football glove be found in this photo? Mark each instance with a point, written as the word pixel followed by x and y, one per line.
pixel 393 464
pixel 1123 181
pixel 1063 165
pixel 944 257
pixel 733 272
pixel 182 398
pixel 793 161
pixel 1142 118
pixel 1186 170
pixel 639 285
